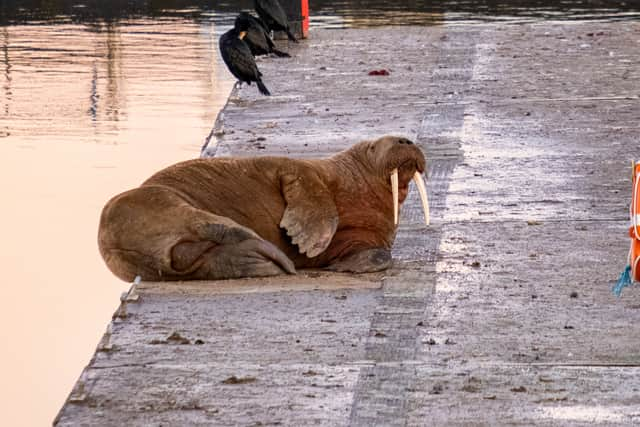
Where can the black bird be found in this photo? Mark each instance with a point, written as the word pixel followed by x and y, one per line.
pixel 238 57
pixel 273 15
pixel 257 36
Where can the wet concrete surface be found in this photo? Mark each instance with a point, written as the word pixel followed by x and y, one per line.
pixel 499 313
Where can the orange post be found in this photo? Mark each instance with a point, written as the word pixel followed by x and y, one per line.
pixel 298 15
pixel 305 18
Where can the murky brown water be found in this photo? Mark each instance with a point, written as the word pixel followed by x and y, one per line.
pixel 90 109
pixel 86 111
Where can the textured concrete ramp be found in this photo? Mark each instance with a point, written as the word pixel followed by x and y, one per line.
pixel 500 313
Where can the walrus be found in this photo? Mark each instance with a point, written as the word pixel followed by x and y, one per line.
pixel 223 218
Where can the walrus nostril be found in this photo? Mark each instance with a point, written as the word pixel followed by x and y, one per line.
pixel 405 141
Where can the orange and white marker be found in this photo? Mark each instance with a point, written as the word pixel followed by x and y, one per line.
pixel 634 227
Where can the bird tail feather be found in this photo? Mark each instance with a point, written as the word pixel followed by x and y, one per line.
pixel 280 53
pixel 263 89
pixel 291 36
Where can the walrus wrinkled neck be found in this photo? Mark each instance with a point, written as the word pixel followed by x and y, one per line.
pixel 354 182
pixel 347 173
pixel 363 201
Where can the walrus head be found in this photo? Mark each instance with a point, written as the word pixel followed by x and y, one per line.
pixel 397 161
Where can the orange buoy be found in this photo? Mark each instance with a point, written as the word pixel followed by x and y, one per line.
pixel 634 226
pixel 631 272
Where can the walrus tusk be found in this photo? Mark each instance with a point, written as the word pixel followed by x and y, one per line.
pixel 394 191
pixel 242 35
pixel 417 178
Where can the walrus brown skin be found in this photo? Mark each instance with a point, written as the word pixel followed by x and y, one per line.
pixel 225 218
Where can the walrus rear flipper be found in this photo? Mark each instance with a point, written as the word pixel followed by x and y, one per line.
pixel 249 258
pixel 154 233
pixel 228 250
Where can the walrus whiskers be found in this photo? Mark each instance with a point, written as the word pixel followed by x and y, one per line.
pixel 394 191
pixel 417 178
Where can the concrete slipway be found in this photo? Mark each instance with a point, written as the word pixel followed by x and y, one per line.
pixel 499 313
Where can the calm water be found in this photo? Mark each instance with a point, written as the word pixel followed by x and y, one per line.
pixel 94 97
pixel 86 111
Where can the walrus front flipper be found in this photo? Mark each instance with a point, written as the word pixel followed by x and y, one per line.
pixel 311 216
pixel 365 261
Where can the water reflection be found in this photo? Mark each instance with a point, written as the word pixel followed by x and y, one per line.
pixel 6 86
pixel 328 13
pixel 111 50
pixel 88 110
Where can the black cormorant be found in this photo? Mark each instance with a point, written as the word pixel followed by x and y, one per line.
pixel 273 15
pixel 238 57
pixel 257 36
